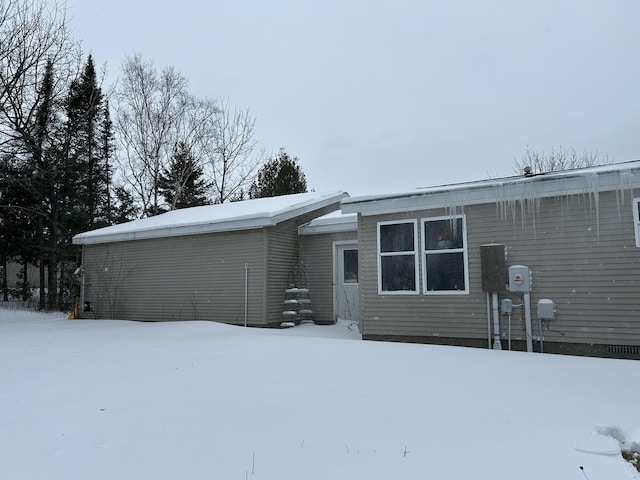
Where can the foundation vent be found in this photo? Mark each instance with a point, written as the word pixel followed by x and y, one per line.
pixel 624 349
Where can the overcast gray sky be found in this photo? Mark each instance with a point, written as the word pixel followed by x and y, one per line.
pixel 376 97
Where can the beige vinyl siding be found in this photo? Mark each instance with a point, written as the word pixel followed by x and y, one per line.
pixel 580 248
pixel 283 256
pixel 196 277
pixel 317 257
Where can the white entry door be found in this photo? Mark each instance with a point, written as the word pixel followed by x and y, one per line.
pixel 347 288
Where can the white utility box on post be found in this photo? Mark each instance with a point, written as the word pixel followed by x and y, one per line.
pixel 519 278
pixel 520 281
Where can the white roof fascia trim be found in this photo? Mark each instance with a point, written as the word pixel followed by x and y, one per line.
pixel 301 210
pixel 175 231
pixel 496 191
pixel 337 227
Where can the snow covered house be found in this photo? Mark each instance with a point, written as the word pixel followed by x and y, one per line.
pixel 563 249
pixel 228 263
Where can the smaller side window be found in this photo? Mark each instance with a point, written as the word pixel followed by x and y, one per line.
pixel 636 219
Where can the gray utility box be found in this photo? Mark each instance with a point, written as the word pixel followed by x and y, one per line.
pixel 493 260
pixel 519 278
pixel 546 309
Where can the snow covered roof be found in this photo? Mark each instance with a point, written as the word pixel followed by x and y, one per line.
pixel 619 176
pixel 242 215
pixel 330 223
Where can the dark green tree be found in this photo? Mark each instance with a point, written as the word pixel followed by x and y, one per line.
pixel 279 176
pixel 124 208
pixel 89 140
pixel 17 219
pixel 107 148
pixel 182 184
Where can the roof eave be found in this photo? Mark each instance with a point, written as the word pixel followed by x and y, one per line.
pixel 202 228
pixel 245 224
pixel 496 191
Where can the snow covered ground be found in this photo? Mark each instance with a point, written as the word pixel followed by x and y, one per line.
pixel 196 400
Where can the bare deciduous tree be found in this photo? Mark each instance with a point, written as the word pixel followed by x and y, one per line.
pixel 38 57
pixel 556 160
pixel 231 152
pixel 32 34
pixel 154 113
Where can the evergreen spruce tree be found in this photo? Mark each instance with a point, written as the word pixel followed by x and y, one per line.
pixel 89 139
pixel 17 219
pixel 182 184
pixel 124 208
pixel 45 166
pixel 279 176
pixel 107 149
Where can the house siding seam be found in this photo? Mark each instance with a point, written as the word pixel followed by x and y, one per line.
pixel 583 257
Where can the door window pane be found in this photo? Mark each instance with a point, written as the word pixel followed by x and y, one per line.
pixel 350 266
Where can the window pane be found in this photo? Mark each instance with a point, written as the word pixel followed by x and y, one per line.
pixel 396 237
pixel 445 271
pixel 350 262
pixel 398 273
pixel 443 234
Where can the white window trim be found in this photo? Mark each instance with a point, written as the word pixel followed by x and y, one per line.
pixel 464 251
pixel 636 219
pixel 415 252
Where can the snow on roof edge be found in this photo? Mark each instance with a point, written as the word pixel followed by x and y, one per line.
pixel 214 218
pixel 333 222
pixel 482 191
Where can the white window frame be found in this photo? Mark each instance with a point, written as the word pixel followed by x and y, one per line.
pixel 413 252
pixel 463 250
pixel 636 219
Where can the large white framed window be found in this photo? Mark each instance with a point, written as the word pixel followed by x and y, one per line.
pixel 445 269
pixel 398 257
pixel 636 219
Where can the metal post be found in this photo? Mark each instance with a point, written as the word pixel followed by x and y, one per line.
pixel 489 320
pixel 246 292
pixel 82 286
pixel 496 323
pixel 527 320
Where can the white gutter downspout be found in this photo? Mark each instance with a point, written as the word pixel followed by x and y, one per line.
pixel 496 323
pixel 488 320
pixel 246 292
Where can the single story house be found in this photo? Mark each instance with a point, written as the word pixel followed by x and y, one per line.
pixel 230 263
pixel 563 249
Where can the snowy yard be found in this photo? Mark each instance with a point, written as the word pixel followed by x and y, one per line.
pixel 196 400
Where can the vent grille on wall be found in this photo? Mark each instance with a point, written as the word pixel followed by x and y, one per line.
pixel 624 349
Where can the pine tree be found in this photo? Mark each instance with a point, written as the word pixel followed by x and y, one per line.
pixel 17 219
pixel 88 142
pixel 279 176
pixel 182 184
pixel 46 178
pixel 124 207
pixel 107 150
